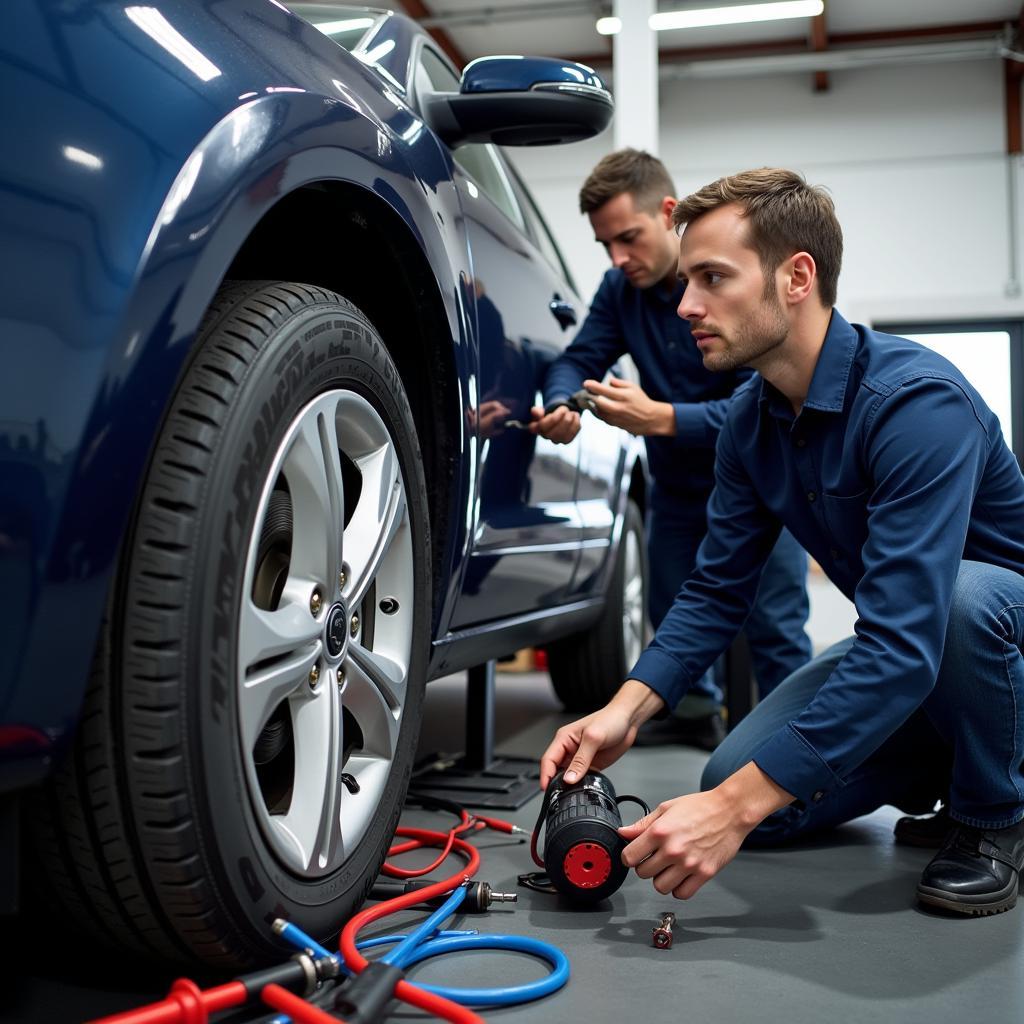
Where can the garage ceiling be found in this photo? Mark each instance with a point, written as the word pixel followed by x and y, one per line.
pixel 565 28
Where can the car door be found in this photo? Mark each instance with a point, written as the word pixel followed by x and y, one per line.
pixel 526 539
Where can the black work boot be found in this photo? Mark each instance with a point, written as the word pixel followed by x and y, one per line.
pixel 976 872
pixel 928 831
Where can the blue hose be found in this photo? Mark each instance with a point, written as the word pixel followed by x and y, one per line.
pixel 508 995
pixel 427 941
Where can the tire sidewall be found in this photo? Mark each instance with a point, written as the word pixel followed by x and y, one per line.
pixel 314 351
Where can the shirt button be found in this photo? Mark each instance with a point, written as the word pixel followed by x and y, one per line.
pixel 801 442
pixel 817 796
pixel 811 496
pixel 834 552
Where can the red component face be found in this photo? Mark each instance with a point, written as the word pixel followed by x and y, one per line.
pixel 587 865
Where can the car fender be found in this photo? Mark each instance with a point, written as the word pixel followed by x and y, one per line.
pixel 259 152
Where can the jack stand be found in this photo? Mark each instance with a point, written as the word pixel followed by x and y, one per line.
pixel 477 778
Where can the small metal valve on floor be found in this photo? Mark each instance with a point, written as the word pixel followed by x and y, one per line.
pixel 661 935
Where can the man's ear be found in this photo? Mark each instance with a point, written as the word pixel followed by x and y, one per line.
pixel 802 273
pixel 668 204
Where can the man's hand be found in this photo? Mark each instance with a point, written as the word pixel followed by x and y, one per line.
pixel 625 404
pixel 684 842
pixel 601 738
pixel 560 425
pixel 490 418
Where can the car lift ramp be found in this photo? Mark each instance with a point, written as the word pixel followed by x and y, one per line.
pixel 477 778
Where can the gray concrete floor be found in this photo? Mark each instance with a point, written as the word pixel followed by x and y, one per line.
pixel 828 931
pixel 825 931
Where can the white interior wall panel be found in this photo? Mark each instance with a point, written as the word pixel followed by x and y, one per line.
pixel 914 157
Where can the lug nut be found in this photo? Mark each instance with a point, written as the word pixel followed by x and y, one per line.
pixel 353 626
pixel 314 675
pixel 342 579
pixel 341 678
pixel 315 602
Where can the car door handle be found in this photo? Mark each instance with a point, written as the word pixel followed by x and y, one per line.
pixel 563 312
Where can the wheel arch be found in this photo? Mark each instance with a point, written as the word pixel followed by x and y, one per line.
pixel 392 282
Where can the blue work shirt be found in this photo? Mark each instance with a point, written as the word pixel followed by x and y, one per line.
pixel 893 472
pixel 644 324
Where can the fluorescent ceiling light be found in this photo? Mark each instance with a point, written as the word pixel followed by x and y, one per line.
pixel 329 28
pixel 739 14
pixel 161 31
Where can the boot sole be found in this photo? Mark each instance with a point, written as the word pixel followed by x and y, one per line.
pixel 975 906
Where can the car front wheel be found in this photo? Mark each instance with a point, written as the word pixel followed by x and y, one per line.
pixel 254 707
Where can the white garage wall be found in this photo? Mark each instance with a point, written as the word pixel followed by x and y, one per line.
pixel 914 157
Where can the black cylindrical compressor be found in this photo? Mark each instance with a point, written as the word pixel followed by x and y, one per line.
pixel 582 847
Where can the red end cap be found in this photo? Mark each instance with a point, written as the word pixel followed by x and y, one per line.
pixel 587 865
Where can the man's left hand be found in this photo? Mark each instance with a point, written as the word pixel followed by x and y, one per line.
pixel 684 842
pixel 625 404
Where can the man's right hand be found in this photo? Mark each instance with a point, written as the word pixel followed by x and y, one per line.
pixel 601 738
pixel 560 425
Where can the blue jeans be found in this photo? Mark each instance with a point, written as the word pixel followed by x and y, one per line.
pixel 775 628
pixel 965 743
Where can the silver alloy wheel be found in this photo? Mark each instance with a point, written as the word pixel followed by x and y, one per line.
pixel 632 600
pixel 308 665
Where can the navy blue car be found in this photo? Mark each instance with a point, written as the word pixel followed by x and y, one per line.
pixel 272 302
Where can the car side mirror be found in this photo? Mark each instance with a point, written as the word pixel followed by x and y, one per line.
pixel 521 101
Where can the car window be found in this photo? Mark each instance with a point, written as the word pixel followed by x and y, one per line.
pixel 542 235
pixel 481 162
pixel 485 167
pixel 433 75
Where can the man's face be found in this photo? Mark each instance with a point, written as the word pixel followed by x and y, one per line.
pixel 734 312
pixel 642 244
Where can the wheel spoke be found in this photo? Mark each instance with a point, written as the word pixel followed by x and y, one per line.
pixel 312 825
pixel 264 689
pixel 270 634
pixel 312 467
pixel 374 691
pixel 375 521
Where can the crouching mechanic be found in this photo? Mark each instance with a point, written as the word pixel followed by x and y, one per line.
pixel 888 467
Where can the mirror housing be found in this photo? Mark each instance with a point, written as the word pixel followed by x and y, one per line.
pixel 521 101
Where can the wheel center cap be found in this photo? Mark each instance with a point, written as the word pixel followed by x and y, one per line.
pixel 336 631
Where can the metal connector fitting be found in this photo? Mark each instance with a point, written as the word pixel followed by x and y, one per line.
pixel 661 935
pixel 480 895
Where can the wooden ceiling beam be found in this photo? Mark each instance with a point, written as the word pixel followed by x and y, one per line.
pixel 819 43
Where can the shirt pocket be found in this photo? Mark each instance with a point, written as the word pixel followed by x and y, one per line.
pixel 846 516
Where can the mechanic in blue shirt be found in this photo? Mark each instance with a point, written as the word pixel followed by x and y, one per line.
pixel 889 468
pixel 679 408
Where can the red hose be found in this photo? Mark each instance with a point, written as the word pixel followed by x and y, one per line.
pixel 355 961
pixel 186 1003
pixel 298 1009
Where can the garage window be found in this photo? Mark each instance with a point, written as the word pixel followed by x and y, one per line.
pixel 991 356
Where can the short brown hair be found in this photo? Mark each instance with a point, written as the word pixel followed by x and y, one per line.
pixel 785 215
pixel 627 170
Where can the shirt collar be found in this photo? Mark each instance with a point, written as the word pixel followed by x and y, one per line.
pixel 832 372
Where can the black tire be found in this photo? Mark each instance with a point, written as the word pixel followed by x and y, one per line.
pixel 587 668
pixel 152 837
